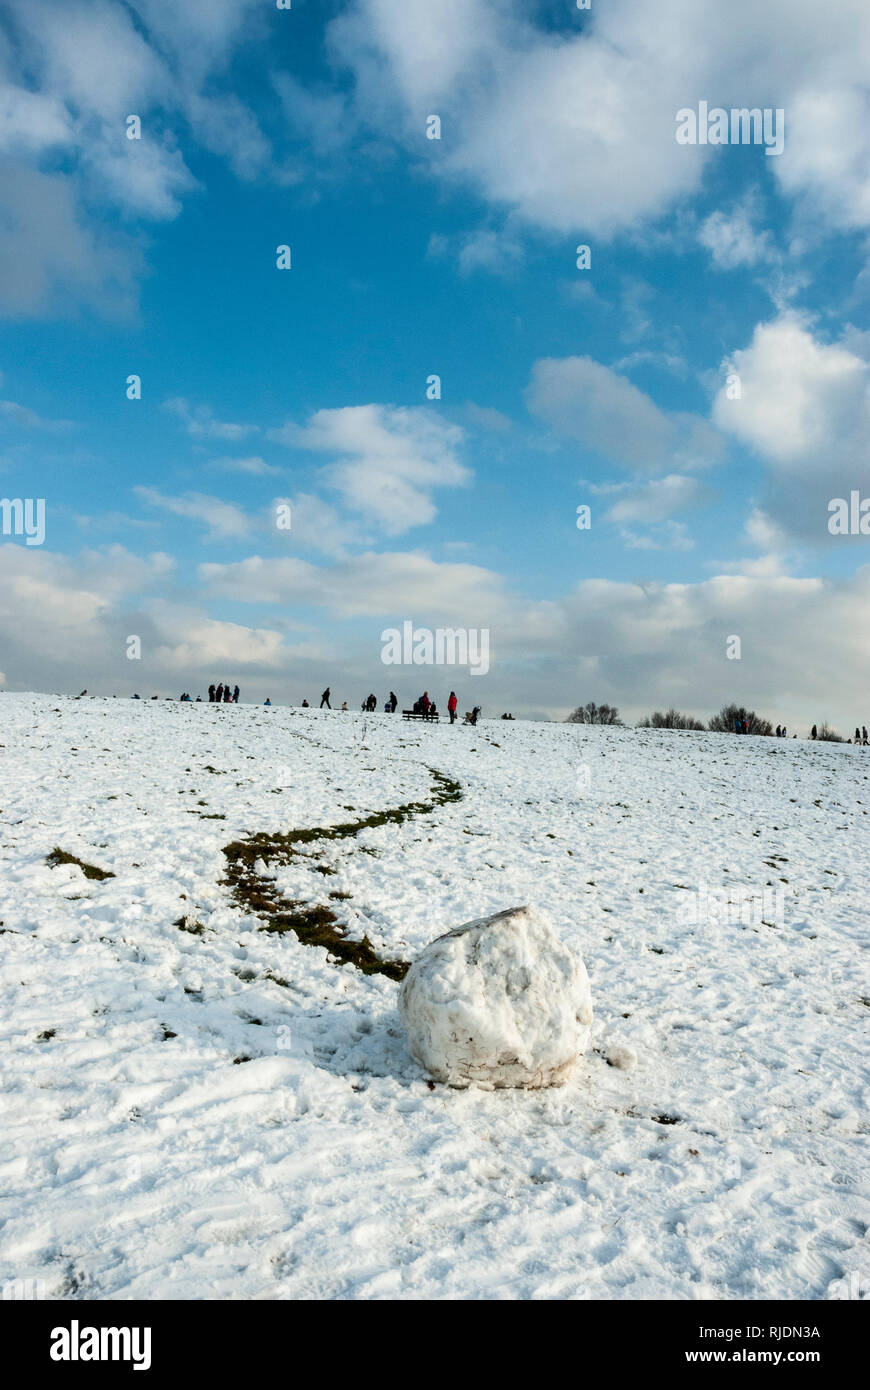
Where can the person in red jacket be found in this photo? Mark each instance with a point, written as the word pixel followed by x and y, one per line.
pixel 451 706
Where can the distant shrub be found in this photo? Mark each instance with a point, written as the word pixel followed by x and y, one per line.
pixel 594 714
pixel 828 735
pixel 725 721
pixel 671 719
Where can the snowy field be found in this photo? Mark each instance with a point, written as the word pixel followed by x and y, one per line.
pixel 195 1105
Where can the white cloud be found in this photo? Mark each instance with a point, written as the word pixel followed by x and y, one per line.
pixel 27 419
pixel 805 410
pixel 316 526
pixel 74 71
pixel 31 122
pixel 576 131
pixel 223 520
pixel 660 499
pixel 482 249
pixel 584 400
pixel 364 585
pixel 192 642
pixel 51 259
pixel 389 459
pixel 200 422
pixel 801 398
pixel 252 464
pixel 732 239
pixel 763 532
pixel 64 624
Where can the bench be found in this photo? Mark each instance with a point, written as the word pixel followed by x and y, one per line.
pixel 415 714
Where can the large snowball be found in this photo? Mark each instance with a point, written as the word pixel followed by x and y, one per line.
pixel 498 1002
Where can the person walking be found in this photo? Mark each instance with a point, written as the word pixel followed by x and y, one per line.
pixel 219 695
pixel 451 706
pixel 211 694
pixel 394 701
pixel 324 699
pixel 813 732
pixel 236 694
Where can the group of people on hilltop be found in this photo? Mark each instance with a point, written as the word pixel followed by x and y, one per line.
pixel 860 735
pixel 223 695
pixel 423 705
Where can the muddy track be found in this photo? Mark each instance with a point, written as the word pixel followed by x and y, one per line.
pixel 318 925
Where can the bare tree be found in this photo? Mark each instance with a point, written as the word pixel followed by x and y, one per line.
pixel 726 721
pixel 671 719
pixel 828 735
pixel 594 714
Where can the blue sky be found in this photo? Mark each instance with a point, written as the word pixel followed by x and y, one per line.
pixel 454 257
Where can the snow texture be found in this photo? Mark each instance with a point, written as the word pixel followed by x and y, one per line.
pixel 498 1002
pixel 194 1107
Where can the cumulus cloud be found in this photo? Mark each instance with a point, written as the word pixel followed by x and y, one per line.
pixel 389 460
pixel 51 258
pixel 584 400
pixel 804 409
pixel 576 130
pixel 660 499
pixel 800 397
pixel 363 585
pixel 733 239
pixel 74 71
pixel 65 623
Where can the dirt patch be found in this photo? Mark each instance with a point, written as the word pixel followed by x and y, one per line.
pixel 60 856
pixel 318 924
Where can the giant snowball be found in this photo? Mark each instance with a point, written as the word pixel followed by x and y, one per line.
pixel 498 1002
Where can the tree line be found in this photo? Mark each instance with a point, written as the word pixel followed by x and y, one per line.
pixel 729 720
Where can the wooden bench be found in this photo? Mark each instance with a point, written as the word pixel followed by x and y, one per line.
pixel 416 714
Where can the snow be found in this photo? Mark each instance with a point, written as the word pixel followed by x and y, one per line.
pixel 498 1002
pixel 212 1109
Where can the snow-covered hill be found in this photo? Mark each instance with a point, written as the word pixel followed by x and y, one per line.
pixel 198 1103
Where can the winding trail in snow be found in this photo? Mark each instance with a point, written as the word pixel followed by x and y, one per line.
pixel 318 924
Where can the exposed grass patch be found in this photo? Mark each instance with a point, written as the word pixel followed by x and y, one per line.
pixel 317 924
pixel 60 856
pixel 189 924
